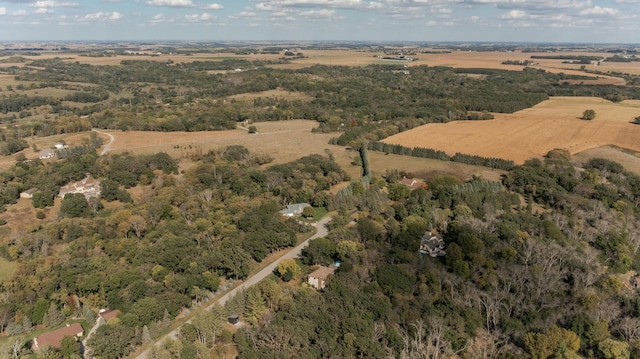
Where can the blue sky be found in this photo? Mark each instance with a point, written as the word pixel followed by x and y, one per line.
pixel 585 21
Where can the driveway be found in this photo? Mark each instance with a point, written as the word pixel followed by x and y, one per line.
pixel 254 279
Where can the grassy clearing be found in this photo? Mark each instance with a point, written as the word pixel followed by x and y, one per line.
pixel 7 269
pixel 277 93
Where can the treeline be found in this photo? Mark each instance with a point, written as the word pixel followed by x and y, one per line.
pixel 492 162
pixel 518 62
pixel 619 58
pixel 581 59
pixel 20 103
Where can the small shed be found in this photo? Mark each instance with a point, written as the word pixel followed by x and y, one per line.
pixel 233 319
pixel 28 193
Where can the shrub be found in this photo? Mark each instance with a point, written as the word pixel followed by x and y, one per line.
pixel 588 115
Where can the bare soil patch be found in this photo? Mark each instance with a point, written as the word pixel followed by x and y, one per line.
pixel 533 132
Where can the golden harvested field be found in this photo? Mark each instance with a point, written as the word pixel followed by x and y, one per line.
pixel 493 60
pixel 533 132
pixel 284 140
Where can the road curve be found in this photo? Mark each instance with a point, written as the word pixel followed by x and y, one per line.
pixel 254 279
pixel 106 148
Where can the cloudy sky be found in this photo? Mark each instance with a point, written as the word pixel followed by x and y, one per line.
pixel 585 21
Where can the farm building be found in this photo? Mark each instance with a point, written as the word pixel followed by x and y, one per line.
pixel 89 187
pixel 54 338
pixel 28 193
pixel 412 183
pixel 294 209
pixel 47 153
pixel 318 278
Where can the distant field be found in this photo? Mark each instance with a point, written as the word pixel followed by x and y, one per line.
pixel 533 132
pixel 459 59
pixel 493 60
pixel 285 141
pixel 277 93
pixel 427 168
pixel 629 159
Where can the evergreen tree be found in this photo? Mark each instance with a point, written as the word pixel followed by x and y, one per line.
pixel 254 306
pixel 53 316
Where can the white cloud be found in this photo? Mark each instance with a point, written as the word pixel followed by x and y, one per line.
pixel 204 17
pixel 599 11
pixel 110 0
pixel 157 18
pixel 326 13
pixel 99 16
pixel 247 14
pixel 339 4
pixel 43 10
pixel 20 13
pixel 52 4
pixel 514 14
pixel 3 11
pixel 214 6
pixel 171 3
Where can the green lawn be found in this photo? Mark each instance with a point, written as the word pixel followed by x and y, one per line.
pixel 319 213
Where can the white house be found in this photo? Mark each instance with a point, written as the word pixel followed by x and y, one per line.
pixel 47 153
pixel 294 209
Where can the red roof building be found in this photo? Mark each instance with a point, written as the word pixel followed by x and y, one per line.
pixel 318 278
pixel 412 183
pixel 109 314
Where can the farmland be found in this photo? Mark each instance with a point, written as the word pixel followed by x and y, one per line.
pixel 533 132
pixel 200 152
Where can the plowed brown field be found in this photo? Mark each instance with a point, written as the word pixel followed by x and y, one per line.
pixel 533 132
